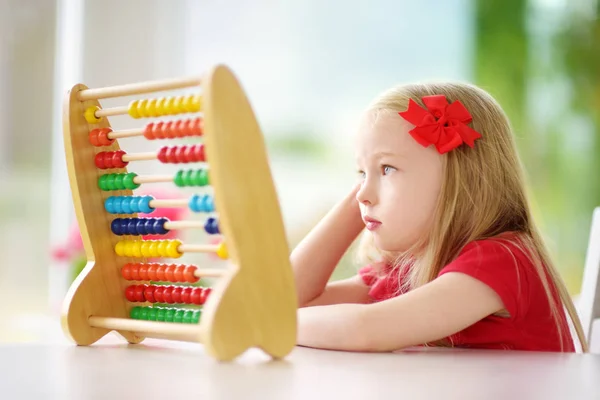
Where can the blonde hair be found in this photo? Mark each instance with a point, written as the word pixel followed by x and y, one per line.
pixel 483 196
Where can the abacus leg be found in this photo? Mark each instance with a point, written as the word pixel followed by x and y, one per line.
pixel 89 295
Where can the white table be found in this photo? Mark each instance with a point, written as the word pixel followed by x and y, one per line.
pixel 167 370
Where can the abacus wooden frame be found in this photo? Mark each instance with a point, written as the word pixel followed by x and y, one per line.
pixel 254 302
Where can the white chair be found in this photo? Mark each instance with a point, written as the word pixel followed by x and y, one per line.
pixel 589 298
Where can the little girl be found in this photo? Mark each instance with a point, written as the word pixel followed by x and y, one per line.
pixel 460 261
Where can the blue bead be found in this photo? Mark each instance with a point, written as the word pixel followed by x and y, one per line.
pixel 208 204
pixel 109 205
pixel 159 226
pixel 194 203
pixel 129 226
pixel 145 204
pixel 126 205
pixel 115 226
pixel 215 226
pixel 148 226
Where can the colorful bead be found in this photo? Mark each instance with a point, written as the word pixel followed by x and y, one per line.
pixel 198 177
pixel 212 226
pixel 201 203
pixel 222 251
pixel 181 154
pixel 110 159
pixel 90 115
pixel 163 106
pixel 121 181
pixel 174 129
pixel 179 273
pixel 99 137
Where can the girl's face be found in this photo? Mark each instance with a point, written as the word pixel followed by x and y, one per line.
pixel 401 181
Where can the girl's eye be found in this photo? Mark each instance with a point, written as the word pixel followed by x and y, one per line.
pixel 387 169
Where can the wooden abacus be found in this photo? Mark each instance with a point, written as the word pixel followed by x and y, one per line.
pixel 253 303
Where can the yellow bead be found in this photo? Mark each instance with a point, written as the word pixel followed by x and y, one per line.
pixel 142 108
pixel 151 108
pixel 133 109
pixel 222 251
pixel 160 106
pixel 137 248
pixel 128 248
pixel 173 249
pixel 196 104
pixel 162 248
pixel 169 106
pixel 154 249
pixel 120 248
pixel 145 248
pixel 178 105
pixel 90 115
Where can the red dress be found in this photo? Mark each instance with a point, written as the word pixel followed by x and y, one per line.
pixel 506 269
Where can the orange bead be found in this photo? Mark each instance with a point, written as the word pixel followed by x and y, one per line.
pixel 189 274
pixel 135 272
pixel 143 272
pixel 160 273
pixel 126 272
pixel 152 272
pixel 169 273
pixel 178 273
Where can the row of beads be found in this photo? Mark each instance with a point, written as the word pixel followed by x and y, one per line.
pixel 159 272
pixel 110 159
pixel 148 248
pixel 141 204
pixel 166 314
pixel 99 137
pixel 191 177
pixel 181 154
pixel 118 181
pixel 174 129
pixel 167 294
pixel 164 106
pixel 139 226
pixel 153 226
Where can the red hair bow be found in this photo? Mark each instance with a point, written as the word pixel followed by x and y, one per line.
pixel 444 125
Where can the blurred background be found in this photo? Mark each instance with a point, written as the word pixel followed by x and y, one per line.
pixel 308 67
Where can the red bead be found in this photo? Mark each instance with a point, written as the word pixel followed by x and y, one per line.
pixel 149 293
pixel 159 294
pixel 172 155
pixel 117 159
pixel 177 294
pixel 178 274
pixel 168 294
pixel 149 131
pixel 189 274
pixel 139 293
pixel 126 272
pixel 169 273
pixel 204 296
pixel 162 154
pixel 99 160
pixel 160 273
pixel 143 272
pixel 196 296
pixel 152 272
pixel 186 295
pixel 130 293
pixel 135 269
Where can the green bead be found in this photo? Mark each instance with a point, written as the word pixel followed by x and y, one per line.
pixel 196 317
pixel 128 181
pixel 119 185
pixel 188 177
pixel 102 182
pixel 160 314
pixel 135 313
pixel 202 177
pixel 152 314
pixel 187 317
pixel 144 313
pixel 178 316
pixel 169 315
pixel 179 178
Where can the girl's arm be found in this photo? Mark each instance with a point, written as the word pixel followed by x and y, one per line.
pixel 315 258
pixel 432 312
